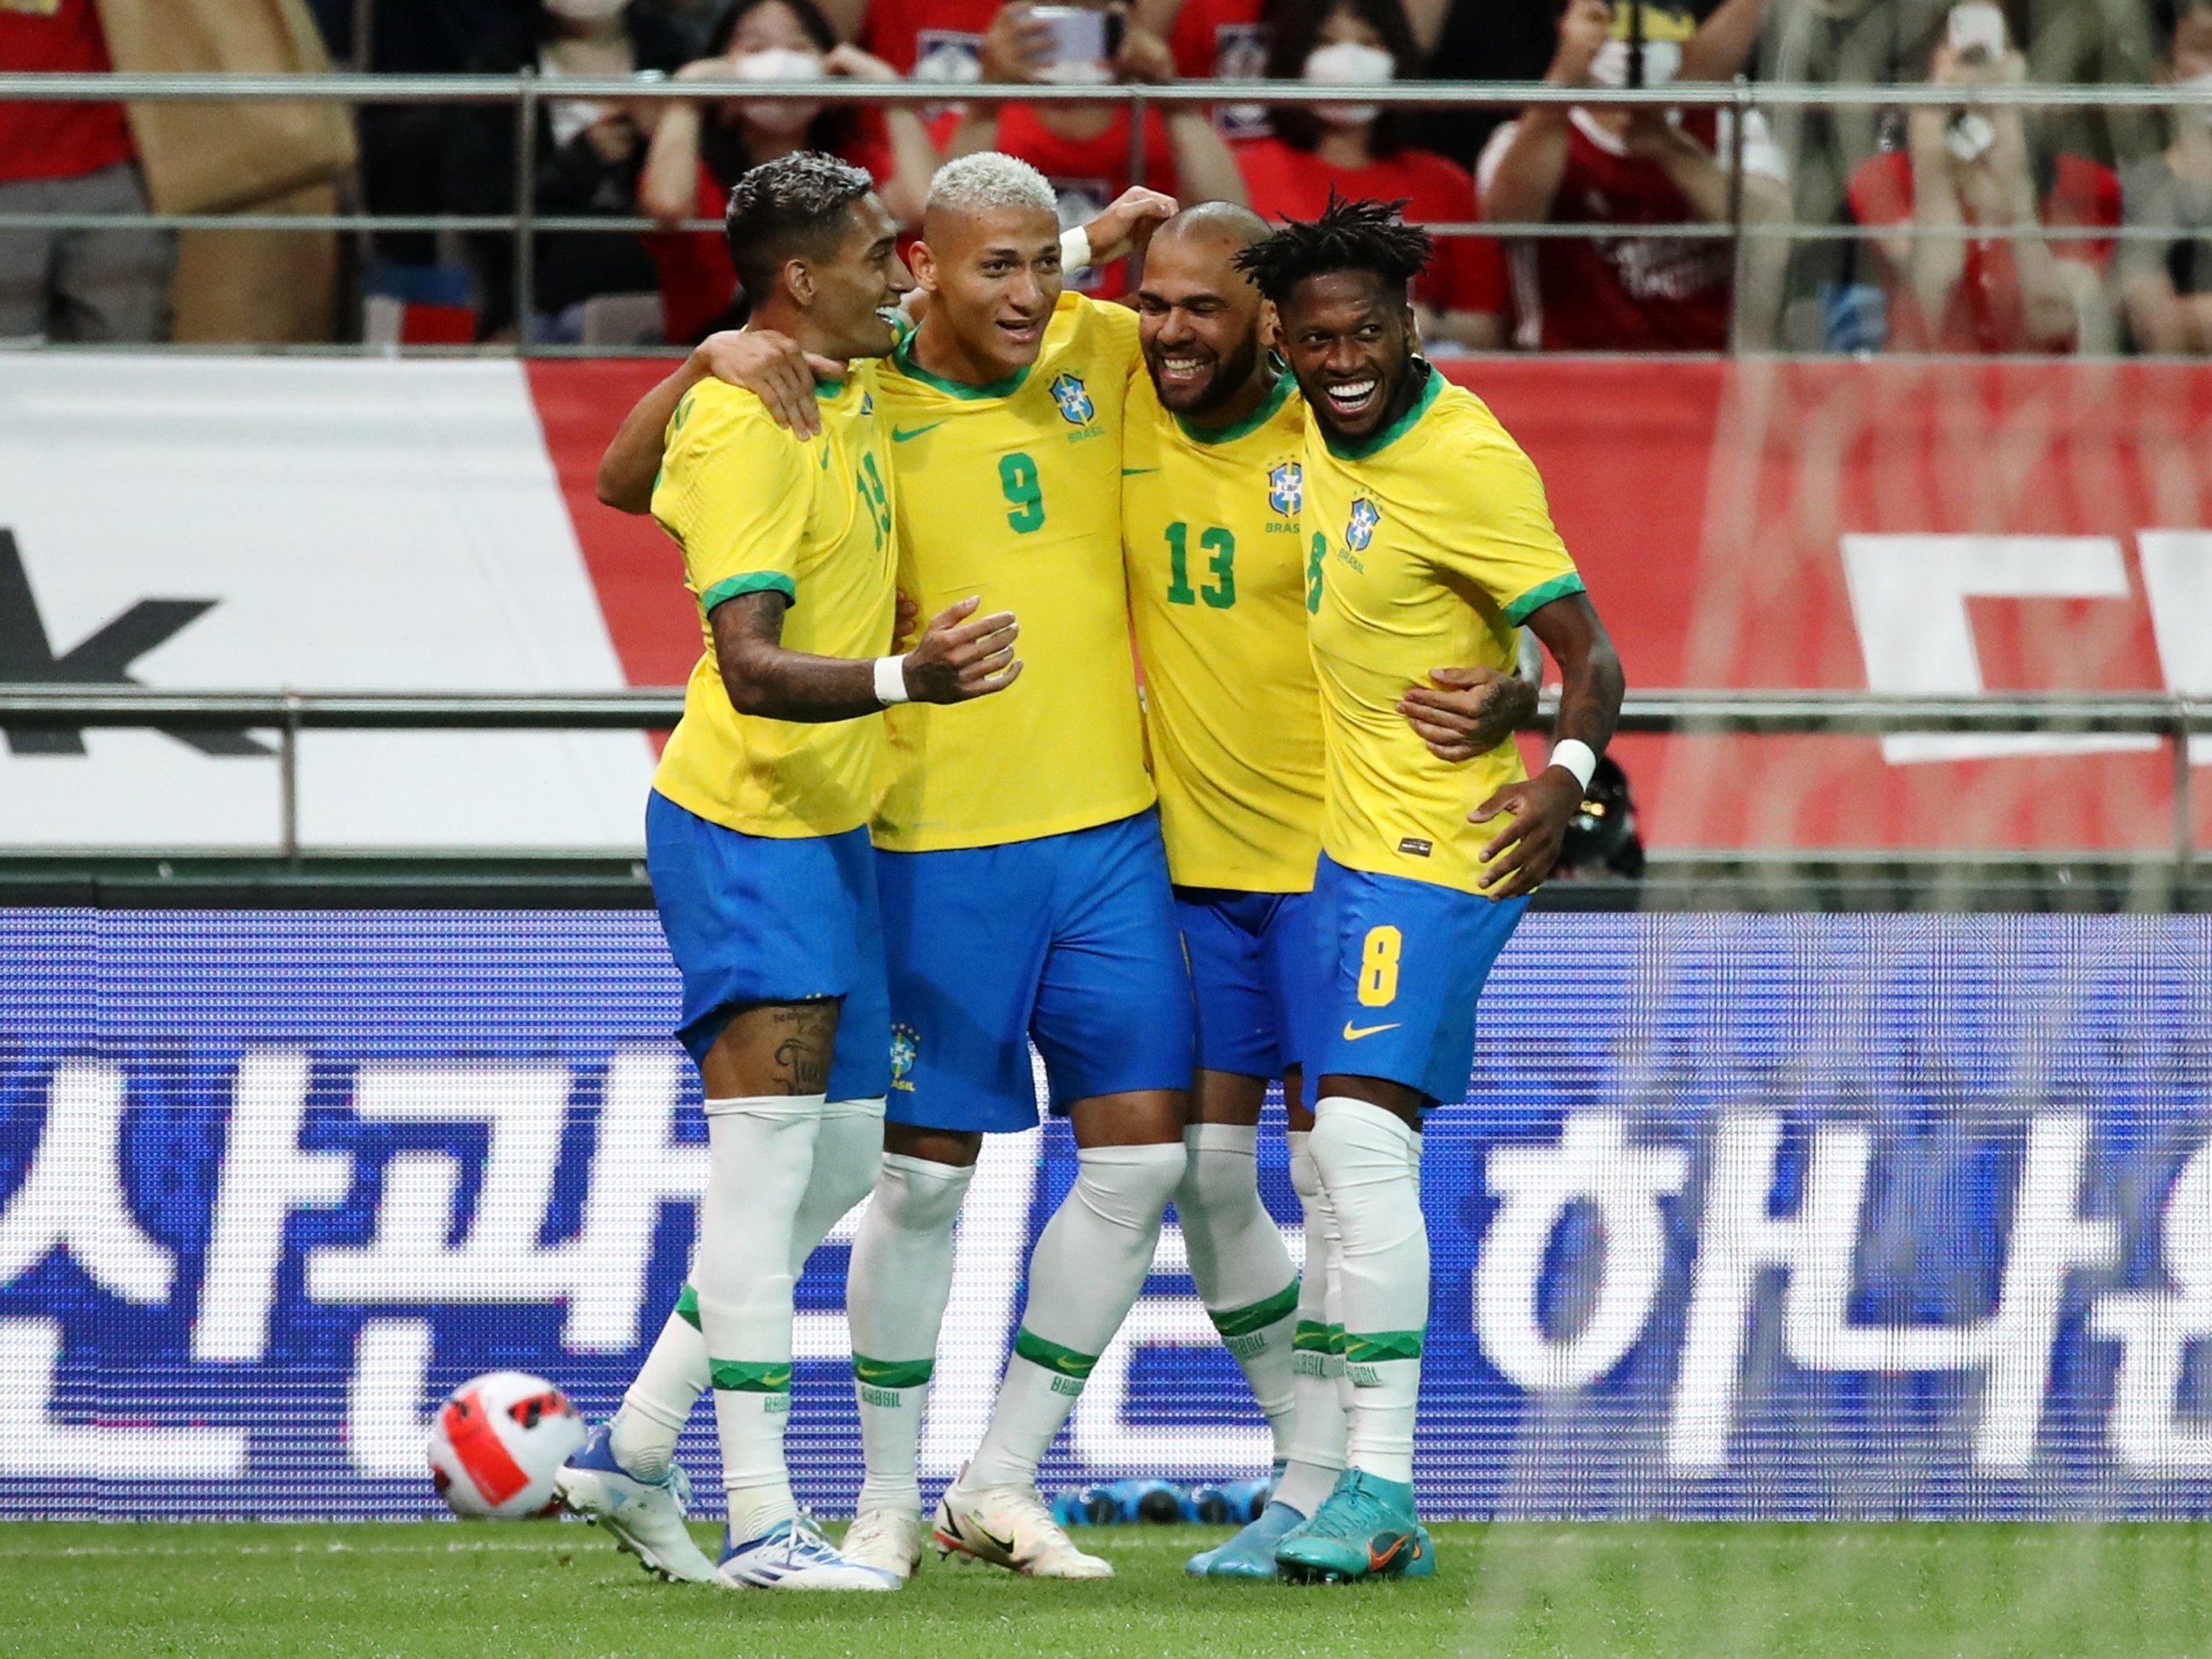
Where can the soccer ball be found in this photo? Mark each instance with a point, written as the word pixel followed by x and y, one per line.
pixel 498 1442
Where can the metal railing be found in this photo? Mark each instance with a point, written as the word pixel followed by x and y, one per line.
pixel 526 90
pixel 1681 714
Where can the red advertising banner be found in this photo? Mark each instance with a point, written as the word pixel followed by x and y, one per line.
pixel 1933 526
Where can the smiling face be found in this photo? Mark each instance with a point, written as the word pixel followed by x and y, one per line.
pixel 993 278
pixel 1199 319
pixel 853 307
pixel 1348 337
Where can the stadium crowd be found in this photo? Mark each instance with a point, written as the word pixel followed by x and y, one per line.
pixel 2040 184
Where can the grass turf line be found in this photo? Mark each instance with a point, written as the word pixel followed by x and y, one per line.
pixel 1515 1591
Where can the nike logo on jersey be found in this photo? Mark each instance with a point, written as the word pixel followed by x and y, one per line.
pixel 900 435
pixel 1353 1033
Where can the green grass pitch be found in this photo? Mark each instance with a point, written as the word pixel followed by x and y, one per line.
pixel 547 1587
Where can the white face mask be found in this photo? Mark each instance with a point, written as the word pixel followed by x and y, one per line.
pixel 1350 64
pixel 779 63
pixel 586 11
pixel 1662 62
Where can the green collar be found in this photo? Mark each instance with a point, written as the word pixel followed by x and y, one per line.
pixel 904 357
pixel 1269 407
pixel 1360 449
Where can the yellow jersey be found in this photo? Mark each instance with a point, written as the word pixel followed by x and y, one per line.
pixel 1012 491
pixel 1217 587
pixel 1429 543
pixel 755 509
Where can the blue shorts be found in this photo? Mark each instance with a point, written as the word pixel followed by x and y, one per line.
pixel 1407 960
pixel 1068 940
pixel 1255 978
pixel 754 919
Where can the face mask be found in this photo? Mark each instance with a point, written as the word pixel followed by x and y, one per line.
pixel 1349 63
pixel 1662 62
pixel 586 11
pixel 779 63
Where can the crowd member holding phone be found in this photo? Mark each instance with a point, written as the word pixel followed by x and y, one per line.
pixel 1084 148
pixel 701 150
pixel 2166 285
pixel 1360 153
pixel 1629 166
pixel 1954 202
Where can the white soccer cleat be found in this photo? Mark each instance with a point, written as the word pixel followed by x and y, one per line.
pixel 1010 1527
pixel 888 1541
pixel 644 1517
pixel 793 1555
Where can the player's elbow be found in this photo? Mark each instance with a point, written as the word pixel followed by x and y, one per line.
pixel 620 489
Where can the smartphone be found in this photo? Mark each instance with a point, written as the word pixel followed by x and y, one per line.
pixel 1977 32
pixel 1083 40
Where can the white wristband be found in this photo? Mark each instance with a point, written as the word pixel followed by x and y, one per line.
pixel 890 681
pixel 1074 249
pixel 1578 756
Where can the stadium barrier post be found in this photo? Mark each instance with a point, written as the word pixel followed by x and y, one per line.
pixel 1742 118
pixel 525 204
pixel 287 781
pixel 2184 816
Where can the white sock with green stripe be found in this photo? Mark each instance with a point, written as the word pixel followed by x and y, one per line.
pixel 659 1402
pixel 1370 1163
pixel 1318 1433
pixel 894 1294
pixel 1088 1265
pixel 760 1160
pixel 1237 1260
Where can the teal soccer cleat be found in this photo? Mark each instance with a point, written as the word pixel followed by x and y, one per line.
pixel 1365 1530
pixel 1251 1553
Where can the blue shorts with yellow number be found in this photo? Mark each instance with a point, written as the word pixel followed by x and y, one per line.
pixel 1407 960
pixel 1068 940
pixel 754 919
pixel 1254 978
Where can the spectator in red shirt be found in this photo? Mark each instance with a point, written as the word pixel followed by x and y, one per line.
pixel 1642 166
pixel 699 150
pixel 1950 290
pixel 1360 153
pixel 1084 148
pixel 75 285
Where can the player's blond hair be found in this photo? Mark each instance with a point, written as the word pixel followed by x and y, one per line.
pixel 987 181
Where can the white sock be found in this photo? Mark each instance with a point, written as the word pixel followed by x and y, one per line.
pixel 1320 1427
pixel 894 1295
pixel 1237 1260
pixel 761 1157
pixel 847 1153
pixel 1088 1265
pixel 1371 1164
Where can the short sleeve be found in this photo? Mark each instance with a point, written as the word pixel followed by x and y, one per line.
pixel 736 493
pixel 2085 195
pixel 1881 191
pixel 1502 539
pixel 2146 203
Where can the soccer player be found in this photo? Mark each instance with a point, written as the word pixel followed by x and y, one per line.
pixel 760 858
pixel 1023 884
pixel 1212 495
pixel 1429 540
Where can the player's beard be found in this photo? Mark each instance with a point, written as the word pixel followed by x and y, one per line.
pixel 1229 377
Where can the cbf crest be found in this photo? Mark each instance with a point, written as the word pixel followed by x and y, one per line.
pixel 1286 489
pixel 1360 531
pixel 1075 405
pixel 906 1042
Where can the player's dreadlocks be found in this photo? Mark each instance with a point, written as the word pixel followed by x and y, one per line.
pixel 786 207
pixel 1348 236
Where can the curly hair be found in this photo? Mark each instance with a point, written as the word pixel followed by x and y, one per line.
pixel 1348 236
pixel 788 206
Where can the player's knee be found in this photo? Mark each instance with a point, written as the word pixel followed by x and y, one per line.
pixel 1130 1186
pixel 918 1196
pixel 1222 1175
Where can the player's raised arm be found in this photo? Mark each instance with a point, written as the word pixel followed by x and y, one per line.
pixel 1537 809
pixel 961 657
